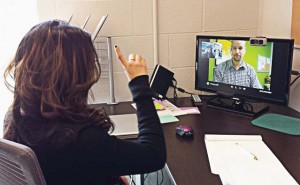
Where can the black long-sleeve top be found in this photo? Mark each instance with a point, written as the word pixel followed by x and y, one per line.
pixel 95 156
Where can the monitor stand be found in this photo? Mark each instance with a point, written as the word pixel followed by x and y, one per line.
pixel 237 105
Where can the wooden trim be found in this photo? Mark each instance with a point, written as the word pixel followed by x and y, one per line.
pixel 296 22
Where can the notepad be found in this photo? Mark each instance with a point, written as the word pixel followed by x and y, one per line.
pixel 126 125
pixel 245 160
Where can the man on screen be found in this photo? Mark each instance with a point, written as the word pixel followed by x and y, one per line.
pixel 236 71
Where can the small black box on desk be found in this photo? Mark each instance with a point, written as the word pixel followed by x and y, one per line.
pixel 161 80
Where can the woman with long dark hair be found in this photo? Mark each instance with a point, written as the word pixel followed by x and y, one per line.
pixel 53 70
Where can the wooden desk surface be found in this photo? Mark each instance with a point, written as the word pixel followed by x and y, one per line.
pixel 187 159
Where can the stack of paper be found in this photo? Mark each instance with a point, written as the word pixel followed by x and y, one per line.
pixel 245 160
pixel 167 111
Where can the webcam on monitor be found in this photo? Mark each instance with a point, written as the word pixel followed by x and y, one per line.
pixel 258 41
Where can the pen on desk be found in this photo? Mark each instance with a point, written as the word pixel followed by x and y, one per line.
pixel 254 156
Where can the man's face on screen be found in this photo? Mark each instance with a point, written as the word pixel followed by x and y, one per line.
pixel 238 50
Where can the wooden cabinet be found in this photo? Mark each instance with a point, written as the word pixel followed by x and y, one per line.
pixel 296 22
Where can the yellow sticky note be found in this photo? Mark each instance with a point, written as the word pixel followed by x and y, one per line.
pixel 158 106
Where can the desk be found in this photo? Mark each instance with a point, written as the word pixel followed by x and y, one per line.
pixel 187 159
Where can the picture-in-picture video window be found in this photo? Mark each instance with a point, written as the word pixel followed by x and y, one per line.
pixel 238 63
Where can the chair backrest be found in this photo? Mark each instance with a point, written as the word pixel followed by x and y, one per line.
pixel 19 165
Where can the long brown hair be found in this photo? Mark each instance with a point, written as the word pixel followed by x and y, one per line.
pixel 53 70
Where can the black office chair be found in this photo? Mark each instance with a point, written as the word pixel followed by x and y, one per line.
pixel 19 165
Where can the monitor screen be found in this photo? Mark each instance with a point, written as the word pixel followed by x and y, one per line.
pixel 239 67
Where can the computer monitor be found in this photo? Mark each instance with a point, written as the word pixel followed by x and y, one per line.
pixel 243 68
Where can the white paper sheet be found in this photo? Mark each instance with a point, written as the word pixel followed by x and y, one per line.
pixel 245 160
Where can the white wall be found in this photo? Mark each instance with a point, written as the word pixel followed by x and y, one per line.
pixel 295 88
pixel 130 26
pixel 273 25
pixel 276 18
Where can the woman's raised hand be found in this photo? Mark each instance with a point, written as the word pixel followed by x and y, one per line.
pixel 135 65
